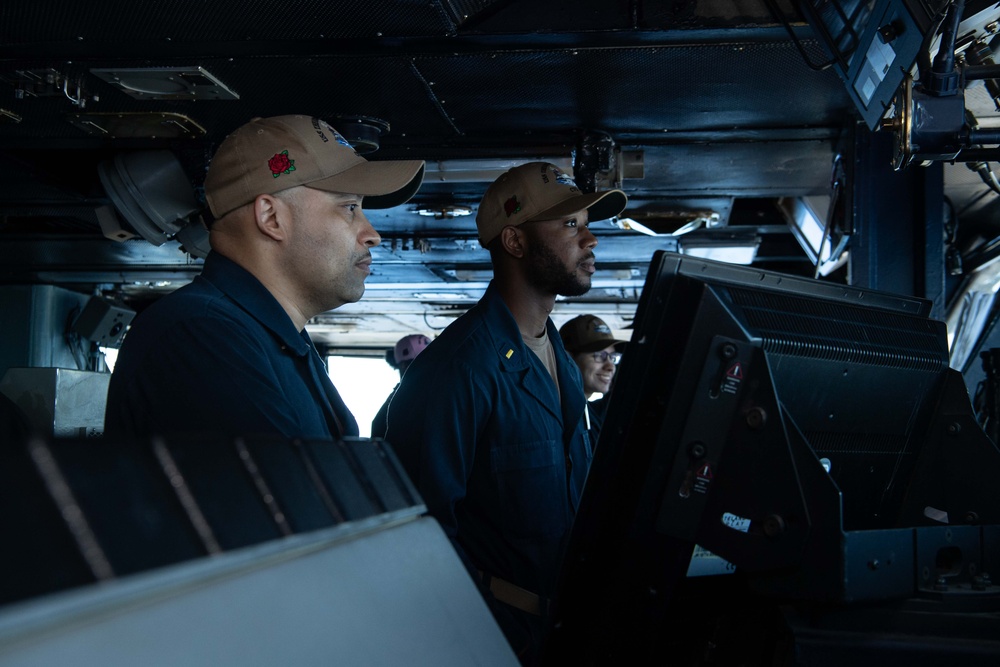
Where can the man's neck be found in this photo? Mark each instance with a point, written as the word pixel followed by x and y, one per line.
pixel 530 308
pixel 274 281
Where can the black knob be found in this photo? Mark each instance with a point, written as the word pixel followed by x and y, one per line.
pixel 889 32
pixel 697 450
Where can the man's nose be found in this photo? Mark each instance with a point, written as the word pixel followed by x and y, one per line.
pixel 369 236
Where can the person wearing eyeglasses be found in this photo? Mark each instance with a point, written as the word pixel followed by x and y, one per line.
pixel 592 345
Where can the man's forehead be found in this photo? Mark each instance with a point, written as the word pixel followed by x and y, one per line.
pixel 336 196
pixel 581 215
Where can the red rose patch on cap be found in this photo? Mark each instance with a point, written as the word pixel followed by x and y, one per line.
pixel 281 164
pixel 511 206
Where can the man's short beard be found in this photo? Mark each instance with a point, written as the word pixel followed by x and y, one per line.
pixel 546 271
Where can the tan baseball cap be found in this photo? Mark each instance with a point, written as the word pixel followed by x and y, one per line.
pixel 587 333
pixel 271 154
pixel 539 191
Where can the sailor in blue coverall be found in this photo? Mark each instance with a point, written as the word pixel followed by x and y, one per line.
pixel 489 421
pixel 220 355
pixel 228 354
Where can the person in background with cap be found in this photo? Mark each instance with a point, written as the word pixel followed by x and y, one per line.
pixel 589 339
pixel 399 357
pixel 228 354
pixel 488 420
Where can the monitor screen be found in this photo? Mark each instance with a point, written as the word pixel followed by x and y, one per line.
pixel 765 417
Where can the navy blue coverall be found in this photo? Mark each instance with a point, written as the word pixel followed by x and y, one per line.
pixel 498 455
pixel 221 356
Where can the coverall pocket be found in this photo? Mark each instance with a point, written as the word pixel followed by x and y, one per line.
pixel 531 483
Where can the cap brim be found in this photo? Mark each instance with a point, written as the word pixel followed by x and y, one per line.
pixel 599 205
pixel 383 184
pixel 597 345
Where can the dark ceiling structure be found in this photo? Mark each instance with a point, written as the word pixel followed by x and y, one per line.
pixel 711 115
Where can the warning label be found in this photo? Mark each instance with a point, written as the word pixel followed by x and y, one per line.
pixel 702 478
pixel 733 378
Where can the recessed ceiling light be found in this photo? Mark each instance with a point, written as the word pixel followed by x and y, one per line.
pixel 167 83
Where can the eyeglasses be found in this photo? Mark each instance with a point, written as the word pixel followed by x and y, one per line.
pixel 604 355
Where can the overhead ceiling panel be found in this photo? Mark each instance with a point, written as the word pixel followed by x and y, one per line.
pixel 590 15
pixel 180 21
pixel 326 86
pixel 634 91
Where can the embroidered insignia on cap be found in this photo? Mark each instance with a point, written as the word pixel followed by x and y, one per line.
pixel 563 178
pixel 512 206
pixel 510 353
pixel 341 140
pixel 281 164
pixel 602 329
pixel 318 125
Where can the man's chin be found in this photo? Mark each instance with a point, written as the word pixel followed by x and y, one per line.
pixel 576 289
pixel 352 297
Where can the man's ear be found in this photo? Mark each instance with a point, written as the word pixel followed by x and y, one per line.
pixel 513 241
pixel 271 216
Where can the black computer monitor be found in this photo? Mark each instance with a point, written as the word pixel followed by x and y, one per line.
pixel 785 424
